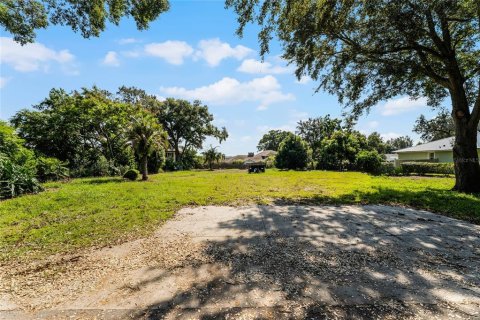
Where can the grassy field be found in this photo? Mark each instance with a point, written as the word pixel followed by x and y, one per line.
pixel 90 212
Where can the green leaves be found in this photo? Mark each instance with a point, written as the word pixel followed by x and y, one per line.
pixel 368 51
pixel 272 140
pixel 23 17
pixel 211 156
pixel 293 153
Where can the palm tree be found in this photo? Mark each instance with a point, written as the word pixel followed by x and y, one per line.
pixel 212 155
pixel 146 136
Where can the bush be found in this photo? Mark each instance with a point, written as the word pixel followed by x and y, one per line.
pixel 190 160
pixel 131 174
pixel 156 161
pixel 270 162
pixel 387 168
pixel 51 169
pixel 369 161
pixel 16 180
pixel 422 168
pixel 170 165
pixel 293 153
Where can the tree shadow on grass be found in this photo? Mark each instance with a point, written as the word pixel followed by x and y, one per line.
pixel 104 180
pixel 445 202
pixel 328 262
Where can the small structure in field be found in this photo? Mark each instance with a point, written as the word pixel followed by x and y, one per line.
pixel 258 162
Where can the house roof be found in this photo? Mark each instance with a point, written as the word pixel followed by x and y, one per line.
pixel 438 145
pixel 260 157
pixel 265 153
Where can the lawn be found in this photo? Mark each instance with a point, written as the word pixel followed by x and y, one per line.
pixel 96 212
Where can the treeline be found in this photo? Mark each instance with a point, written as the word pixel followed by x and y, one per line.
pixel 94 132
pixel 324 143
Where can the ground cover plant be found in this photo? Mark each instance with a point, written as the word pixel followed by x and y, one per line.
pixel 100 211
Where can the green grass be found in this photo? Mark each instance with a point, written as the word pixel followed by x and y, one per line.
pixel 90 212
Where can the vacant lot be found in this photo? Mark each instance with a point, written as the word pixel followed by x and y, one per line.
pixel 97 212
pixel 264 262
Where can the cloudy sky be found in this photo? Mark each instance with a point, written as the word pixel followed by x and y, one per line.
pixel 190 52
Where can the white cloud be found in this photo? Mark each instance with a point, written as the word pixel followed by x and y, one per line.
pixel 227 91
pixel 373 124
pixel 3 82
pixel 111 59
pixel 257 67
pixel 390 135
pixel 128 41
pixel 402 105
pixel 32 56
pixel 213 51
pixel 174 52
pixel 303 80
pixel 296 115
pixel 246 138
pixel 132 53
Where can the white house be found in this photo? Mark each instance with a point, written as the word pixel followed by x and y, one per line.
pixel 435 151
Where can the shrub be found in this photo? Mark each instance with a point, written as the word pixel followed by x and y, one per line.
pixel 293 153
pixel 16 180
pixel 369 161
pixel 170 165
pixel 387 168
pixel 131 174
pixel 156 161
pixel 51 169
pixel 422 168
pixel 270 162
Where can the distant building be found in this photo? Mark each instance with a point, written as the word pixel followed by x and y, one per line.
pixel 261 156
pixel 435 151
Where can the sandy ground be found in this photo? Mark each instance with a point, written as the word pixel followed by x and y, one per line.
pixel 264 262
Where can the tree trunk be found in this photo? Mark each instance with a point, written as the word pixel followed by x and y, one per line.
pixel 177 153
pixel 465 155
pixel 145 168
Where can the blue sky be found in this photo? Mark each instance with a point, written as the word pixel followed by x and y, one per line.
pixel 190 52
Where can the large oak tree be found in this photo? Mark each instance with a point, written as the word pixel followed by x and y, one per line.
pixel 369 51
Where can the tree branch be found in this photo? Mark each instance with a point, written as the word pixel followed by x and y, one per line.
pixel 433 34
pixel 427 68
pixel 475 116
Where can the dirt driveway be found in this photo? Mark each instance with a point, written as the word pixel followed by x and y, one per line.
pixel 264 262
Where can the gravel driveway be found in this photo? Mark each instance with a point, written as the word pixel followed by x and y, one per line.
pixel 264 262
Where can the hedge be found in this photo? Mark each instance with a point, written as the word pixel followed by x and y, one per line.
pixel 422 168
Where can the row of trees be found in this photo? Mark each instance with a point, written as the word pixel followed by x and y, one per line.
pixel 323 143
pixel 97 133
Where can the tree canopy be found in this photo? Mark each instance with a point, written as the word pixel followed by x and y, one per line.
pixel 368 51
pixel 293 153
pixel 314 130
pixel 23 17
pixel 272 139
pixel 187 124
pixel 398 143
pixel 439 127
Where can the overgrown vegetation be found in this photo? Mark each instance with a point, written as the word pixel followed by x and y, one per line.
pixel 100 211
pixel 18 165
pixel 93 132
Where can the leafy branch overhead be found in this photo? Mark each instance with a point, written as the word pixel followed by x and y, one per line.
pixel 23 18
